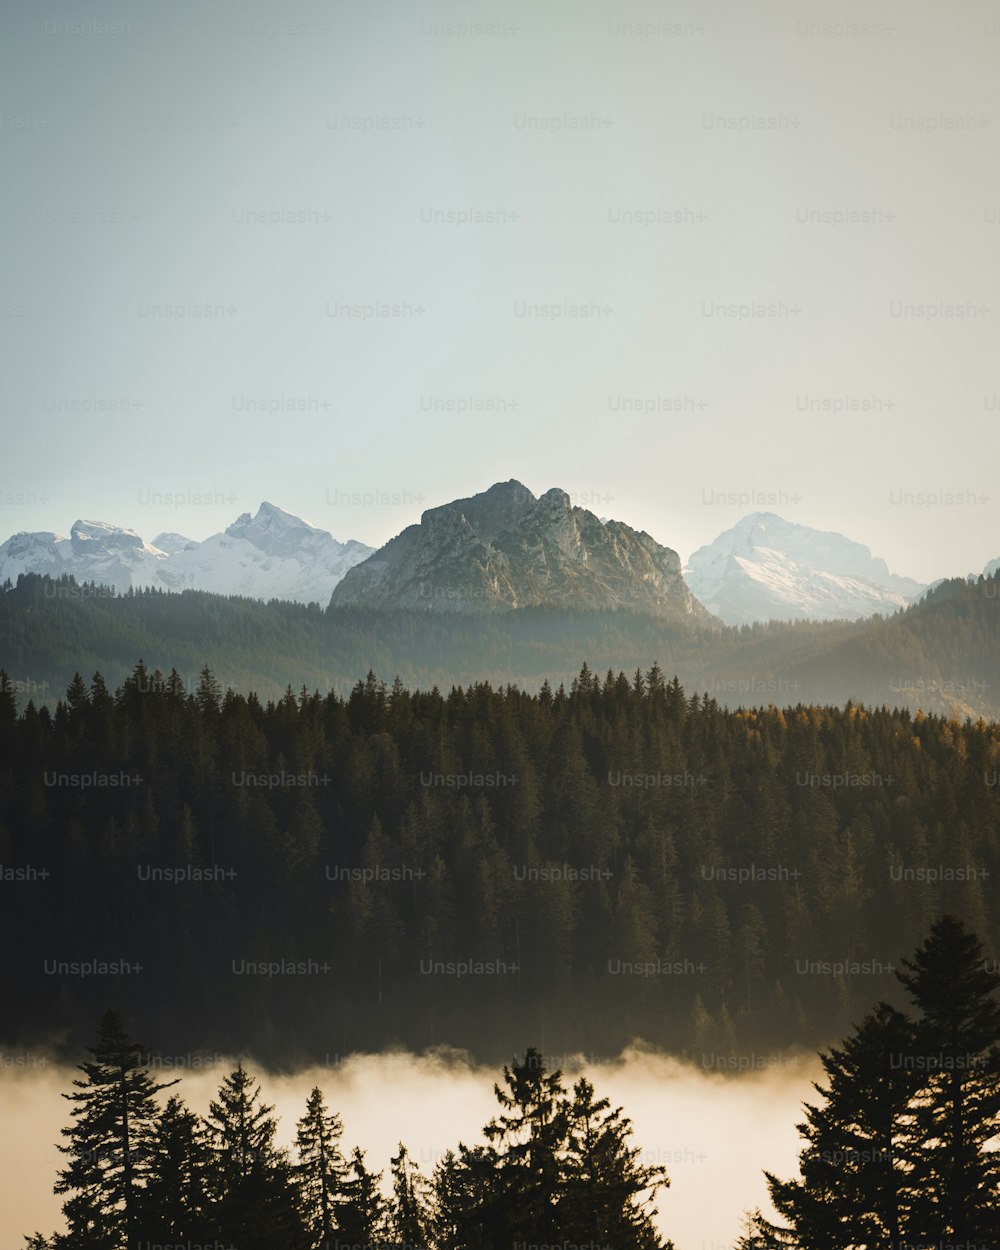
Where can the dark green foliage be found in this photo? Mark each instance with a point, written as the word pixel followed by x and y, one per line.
pixel 903 1151
pixel 176 1205
pixel 321 1169
pixel 254 1201
pixel 362 1209
pixel 410 1210
pixel 523 1154
pixel 605 1189
pixel 556 1171
pixel 585 847
pixel 957 1111
pixel 111 1143
pixel 857 1187
pixel 941 653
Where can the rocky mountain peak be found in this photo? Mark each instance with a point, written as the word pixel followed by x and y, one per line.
pixel 504 549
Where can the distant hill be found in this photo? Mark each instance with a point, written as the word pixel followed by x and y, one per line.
pixel 942 654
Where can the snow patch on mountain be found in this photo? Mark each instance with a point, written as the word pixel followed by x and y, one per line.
pixel 172 543
pixel 767 568
pixel 272 555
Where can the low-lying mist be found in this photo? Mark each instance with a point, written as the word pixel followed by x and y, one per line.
pixel 713 1132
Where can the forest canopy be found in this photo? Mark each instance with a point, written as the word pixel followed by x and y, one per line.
pixel 611 861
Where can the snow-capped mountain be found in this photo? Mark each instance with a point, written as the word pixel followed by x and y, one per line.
pixel 172 543
pixel 992 567
pixel 504 548
pixel 766 568
pixel 94 552
pixel 273 555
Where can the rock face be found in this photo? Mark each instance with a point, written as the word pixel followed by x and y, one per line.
pixel 766 568
pixel 273 555
pixel 505 549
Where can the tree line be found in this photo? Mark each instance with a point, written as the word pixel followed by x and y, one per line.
pixel 900 1151
pixel 556 1165
pixel 939 654
pixel 617 859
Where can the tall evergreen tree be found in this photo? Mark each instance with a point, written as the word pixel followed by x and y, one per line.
pixel 111 1142
pixel 321 1169
pixel 957 1114
pixel 856 1187
pixel 409 1214
pixel 175 1203
pixel 606 1192
pixel 253 1185
pixel 526 1139
pixel 470 1209
pixel 361 1214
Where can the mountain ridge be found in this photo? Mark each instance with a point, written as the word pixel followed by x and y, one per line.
pixel 505 549
pixel 270 555
pixel 500 549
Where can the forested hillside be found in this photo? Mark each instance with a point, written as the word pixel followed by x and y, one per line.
pixel 589 865
pixel 941 655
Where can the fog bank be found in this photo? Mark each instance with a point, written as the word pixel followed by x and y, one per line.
pixel 714 1133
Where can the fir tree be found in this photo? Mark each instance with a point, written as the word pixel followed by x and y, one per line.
pixel 606 1191
pixel 111 1142
pixel 175 1203
pixel 856 1187
pixel 957 1113
pixel 361 1213
pixel 252 1181
pixel 410 1214
pixel 525 1141
pixel 321 1168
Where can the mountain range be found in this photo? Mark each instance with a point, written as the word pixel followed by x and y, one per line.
pixel 500 549
pixel 272 555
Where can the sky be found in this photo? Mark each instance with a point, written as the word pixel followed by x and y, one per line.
pixel 686 261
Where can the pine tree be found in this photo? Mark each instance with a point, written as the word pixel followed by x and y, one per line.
pixel 606 1191
pixel 361 1214
pixel 208 693
pixel 957 1112
pixel 321 1168
pixel 252 1180
pixel 175 1203
pixel 856 1188
pixel 409 1216
pixel 8 703
pixel 110 1143
pixel 77 695
pixel 525 1143
pixel 467 1201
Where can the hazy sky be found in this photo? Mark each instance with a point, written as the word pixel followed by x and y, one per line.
pixel 686 251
